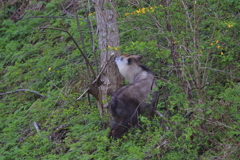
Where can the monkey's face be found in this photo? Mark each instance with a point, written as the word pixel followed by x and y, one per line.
pixel 122 62
pixel 126 60
pixel 128 64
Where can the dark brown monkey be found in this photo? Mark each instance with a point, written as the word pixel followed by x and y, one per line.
pixel 138 97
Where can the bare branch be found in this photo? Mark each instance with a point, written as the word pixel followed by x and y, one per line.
pixel 162 116
pixel 20 90
pixel 98 76
pixel 36 126
pixel 188 16
pixel 83 94
pixel 82 40
pixel 158 113
pixel 105 65
pixel 53 17
pixel 90 27
pixel 86 59
pixel 188 114
pixel 68 13
pixel 210 121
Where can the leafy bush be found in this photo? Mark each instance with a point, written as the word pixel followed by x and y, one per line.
pixel 192 46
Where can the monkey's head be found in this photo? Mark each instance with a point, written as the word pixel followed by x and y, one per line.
pixel 129 66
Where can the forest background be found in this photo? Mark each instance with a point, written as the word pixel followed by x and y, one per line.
pixel 51 71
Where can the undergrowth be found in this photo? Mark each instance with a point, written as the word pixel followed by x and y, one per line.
pixel 53 124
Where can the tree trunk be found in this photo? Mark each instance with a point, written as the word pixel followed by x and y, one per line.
pixel 107 36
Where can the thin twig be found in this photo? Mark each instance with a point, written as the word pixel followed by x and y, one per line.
pixel 83 94
pixel 20 90
pixel 187 14
pixel 53 17
pixel 188 114
pixel 90 27
pixel 82 41
pixel 158 113
pixel 112 54
pixel 98 76
pixel 217 123
pixel 68 13
pixel 86 59
pixel 36 126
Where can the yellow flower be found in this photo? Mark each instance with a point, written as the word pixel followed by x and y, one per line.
pixel 49 69
pixel 109 46
pixel 116 48
pixel 221 53
pixel 200 51
pixel 151 9
pixel 175 42
pixel 126 14
pixel 138 11
pixel 211 44
pixel 218 46
pixel 91 13
pixel 216 41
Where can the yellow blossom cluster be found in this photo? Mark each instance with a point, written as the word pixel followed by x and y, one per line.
pixel 219 47
pixel 91 13
pixel 229 24
pixel 142 11
pixel 216 43
pixel 113 48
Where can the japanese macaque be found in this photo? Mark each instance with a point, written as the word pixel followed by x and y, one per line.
pixel 138 97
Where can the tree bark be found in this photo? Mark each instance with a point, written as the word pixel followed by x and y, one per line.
pixel 108 37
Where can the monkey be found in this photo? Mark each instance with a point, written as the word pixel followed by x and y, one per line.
pixel 138 97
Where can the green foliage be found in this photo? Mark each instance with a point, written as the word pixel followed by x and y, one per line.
pixel 192 46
